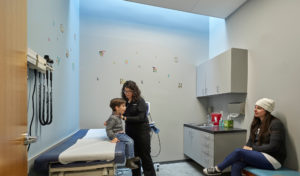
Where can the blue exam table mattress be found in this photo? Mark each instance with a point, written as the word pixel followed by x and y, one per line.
pixel 41 164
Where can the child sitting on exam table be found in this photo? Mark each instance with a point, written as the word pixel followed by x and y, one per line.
pixel 115 132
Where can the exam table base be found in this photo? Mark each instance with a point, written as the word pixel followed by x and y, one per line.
pixel 107 169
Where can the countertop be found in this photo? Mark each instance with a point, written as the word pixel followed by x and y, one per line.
pixel 214 129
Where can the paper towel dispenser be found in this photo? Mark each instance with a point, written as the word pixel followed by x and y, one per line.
pixel 236 107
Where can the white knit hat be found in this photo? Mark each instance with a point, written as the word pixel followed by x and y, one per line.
pixel 266 103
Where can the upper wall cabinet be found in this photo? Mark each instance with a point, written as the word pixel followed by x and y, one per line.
pixel 225 73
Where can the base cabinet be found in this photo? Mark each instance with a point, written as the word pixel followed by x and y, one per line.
pixel 209 149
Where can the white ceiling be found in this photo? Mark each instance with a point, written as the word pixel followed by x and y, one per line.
pixel 214 8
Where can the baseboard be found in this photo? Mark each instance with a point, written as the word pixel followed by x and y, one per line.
pixel 174 161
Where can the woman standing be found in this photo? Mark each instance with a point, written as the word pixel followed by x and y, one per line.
pixel 137 127
pixel 265 148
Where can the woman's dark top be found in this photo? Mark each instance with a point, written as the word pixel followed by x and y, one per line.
pixel 136 114
pixel 272 144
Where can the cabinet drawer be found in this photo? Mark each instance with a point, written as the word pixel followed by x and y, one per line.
pixel 205 161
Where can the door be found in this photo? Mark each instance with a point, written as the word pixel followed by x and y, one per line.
pixel 13 87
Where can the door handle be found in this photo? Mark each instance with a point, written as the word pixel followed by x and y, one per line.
pixel 27 139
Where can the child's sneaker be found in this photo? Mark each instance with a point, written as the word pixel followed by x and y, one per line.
pixel 131 164
pixel 211 171
pixel 136 159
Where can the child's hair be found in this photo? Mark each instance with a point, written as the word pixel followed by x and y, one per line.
pixel 116 102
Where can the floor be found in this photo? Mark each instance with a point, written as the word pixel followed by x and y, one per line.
pixel 186 168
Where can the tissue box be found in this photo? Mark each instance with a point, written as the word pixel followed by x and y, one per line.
pixel 228 123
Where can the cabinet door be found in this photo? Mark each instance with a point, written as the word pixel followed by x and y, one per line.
pixel 223 69
pixel 201 80
pixel 187 141
pixel 210 77
pixel 218 75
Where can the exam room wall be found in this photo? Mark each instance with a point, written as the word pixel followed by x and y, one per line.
pixel 144 36
pixel 270 30
pixel 45 37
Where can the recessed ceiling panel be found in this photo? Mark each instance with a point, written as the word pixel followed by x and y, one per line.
pixel 215 8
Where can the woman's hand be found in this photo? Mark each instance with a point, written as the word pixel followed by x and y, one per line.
pixel 123 117
pixel 247 147
pixel 105 123
pixel 115 140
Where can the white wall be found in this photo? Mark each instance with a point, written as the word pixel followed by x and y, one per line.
pixel 45 37
pixel 270 30
pixel 145 36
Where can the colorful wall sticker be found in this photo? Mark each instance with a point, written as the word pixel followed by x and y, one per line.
pixel 179 85
pixel 176 59
pixel 58 60
pixel 122 81
pixel 102 52
pixel 67 53
pixel 154 69
pixel 61 28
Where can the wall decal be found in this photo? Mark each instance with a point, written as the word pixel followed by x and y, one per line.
pixel 49 39
pixel 102 52
pixel 179 85
pixel 142 82
pixel 154 69
pixel 176 59
pixel 61 28
pixel 67 53
pixel 74 36
pixel 73 66
pixel 168 75
pixel 53 23
pixel 139 66
pixel 58 60
pixel 122 81
pixel 126 61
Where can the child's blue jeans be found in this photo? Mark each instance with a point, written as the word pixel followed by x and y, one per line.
pixel 129 144
pixel 240 158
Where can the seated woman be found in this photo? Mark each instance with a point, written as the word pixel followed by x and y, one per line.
pixel 265 148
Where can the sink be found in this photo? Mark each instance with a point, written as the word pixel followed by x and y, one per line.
pixel 204 125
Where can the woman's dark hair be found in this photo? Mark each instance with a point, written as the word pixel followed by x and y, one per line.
pixel 136 93
pixel 263 125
